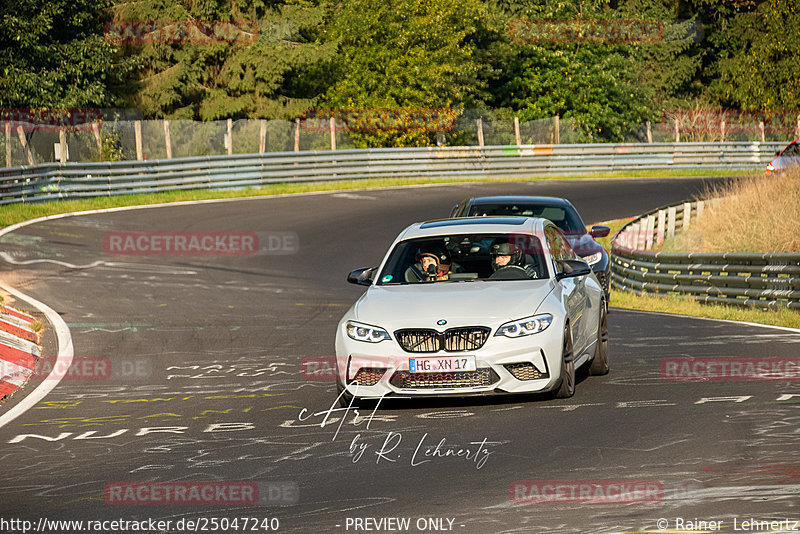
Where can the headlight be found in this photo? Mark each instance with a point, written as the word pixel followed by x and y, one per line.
pixel 591 259
pixel 365 332
pixel 526 326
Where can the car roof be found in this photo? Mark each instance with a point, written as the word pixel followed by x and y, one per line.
pixel 553 201
pixel 476 225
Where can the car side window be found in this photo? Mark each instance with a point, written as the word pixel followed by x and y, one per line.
pixel 558 245
pixel 792 150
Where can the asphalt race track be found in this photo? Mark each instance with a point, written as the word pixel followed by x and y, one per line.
pixel 206 385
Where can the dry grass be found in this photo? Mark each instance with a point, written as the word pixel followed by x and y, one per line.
pixel 760 214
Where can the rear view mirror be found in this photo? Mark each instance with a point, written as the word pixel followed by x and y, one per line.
pixel 362 276
pixel 572 268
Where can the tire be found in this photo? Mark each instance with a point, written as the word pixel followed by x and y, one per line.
pixel 567 387
pixel 344 398
pixel 600 361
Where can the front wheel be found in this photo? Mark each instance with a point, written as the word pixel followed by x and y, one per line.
pixel 567 387
pixel 600 361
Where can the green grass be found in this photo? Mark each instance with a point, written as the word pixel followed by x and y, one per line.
pixel 15 213
pixel 687 306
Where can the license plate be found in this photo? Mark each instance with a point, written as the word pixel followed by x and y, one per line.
pixel 442 364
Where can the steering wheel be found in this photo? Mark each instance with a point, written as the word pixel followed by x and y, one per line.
pixel 510 272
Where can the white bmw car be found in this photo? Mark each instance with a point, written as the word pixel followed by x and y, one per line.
pixel 473 306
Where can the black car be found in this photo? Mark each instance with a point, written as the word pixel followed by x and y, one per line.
pixel 558 210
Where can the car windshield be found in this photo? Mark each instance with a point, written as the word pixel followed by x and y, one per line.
pixel 566 219
pixel 465 258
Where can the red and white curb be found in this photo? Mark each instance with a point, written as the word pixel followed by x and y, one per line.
pixel 19 350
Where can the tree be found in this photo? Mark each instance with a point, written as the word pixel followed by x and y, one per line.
pixel 608 84
pixel 252 72
pixel 53 55
pixel 758 68
pixel 409 54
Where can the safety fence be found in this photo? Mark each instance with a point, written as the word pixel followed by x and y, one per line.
pixel 766 280
pixel 52 181
pixel 28 138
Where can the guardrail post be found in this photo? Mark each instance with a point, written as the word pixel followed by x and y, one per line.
pixel 24 141
pixel 230 137
pixel 167 141
pixel 518 138
pixel 687 214
pixel 8 143
pixel 671 216
pixel 297 135
pixel 651 221
pixel 701 204
pixel 649 133
pixel 262 138
pixel 479 122
pixel 662 217
pixel 333 133
pixel 137 132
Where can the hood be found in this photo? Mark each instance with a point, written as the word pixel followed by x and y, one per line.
pixel 458 303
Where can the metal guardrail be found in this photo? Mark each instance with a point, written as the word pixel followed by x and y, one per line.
pixel 766 280
pixel 54 181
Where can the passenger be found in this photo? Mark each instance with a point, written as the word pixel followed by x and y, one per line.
pixel 430 267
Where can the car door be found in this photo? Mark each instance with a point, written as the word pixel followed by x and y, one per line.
pixel 576 296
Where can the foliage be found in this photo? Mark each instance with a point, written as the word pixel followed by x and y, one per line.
pixel 53 55
pixel 464 56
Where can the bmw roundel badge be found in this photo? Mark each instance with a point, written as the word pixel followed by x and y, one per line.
pixel 441 322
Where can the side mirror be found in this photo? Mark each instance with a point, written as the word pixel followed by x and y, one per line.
pixel 362 277
pixel 600 231
pixel 572 268
pixel 777 152
pixel 453 211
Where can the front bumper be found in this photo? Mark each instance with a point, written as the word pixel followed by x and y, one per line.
pixel 528 364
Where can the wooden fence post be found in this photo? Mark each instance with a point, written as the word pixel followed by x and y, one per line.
pixel 517 137
pixel 262 138
pixel 137 131
pixel 557 135
pixel 24 141
pixel 480 131
pixel 167 141
pixel 8 143
pixel 230 137
pixel 62 145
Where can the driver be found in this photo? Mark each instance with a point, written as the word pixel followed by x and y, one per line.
pixel 509 256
